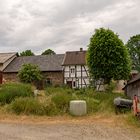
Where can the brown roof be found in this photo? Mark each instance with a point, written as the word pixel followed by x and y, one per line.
pixel 45 62
pixel 75 58
pixel 6 56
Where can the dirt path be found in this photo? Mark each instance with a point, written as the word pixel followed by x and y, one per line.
pixel 65 131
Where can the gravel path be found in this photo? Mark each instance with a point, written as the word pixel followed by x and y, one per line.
pixel 65 132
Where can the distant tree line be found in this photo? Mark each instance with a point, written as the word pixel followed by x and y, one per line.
pixel 30 53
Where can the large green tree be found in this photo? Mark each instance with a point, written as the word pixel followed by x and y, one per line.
pixel 48 52
pixel 27 53
pixel 107 57
pixel 30 73
pixel 133 46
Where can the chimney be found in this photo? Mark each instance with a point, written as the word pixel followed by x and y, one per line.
pixel 81 49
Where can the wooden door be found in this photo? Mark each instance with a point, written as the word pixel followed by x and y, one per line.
pixel 69 83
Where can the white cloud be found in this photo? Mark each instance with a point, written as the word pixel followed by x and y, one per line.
pixel 63 24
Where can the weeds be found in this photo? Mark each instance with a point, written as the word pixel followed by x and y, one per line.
pixel 30 105
pixel 9 92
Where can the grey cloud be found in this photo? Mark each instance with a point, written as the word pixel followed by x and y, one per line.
pixel 62 24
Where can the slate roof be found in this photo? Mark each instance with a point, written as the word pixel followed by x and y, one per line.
pixel 45 62
pixel 6 56
pixel 75 58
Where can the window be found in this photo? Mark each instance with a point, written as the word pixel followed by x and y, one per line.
pixel 72 70
pixel 48 81
pixel 74 84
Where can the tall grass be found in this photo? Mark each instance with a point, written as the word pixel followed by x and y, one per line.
pixel 96 101
pixel 30 105
pixel 56 90
pixel 133 120
pixel 10 91
pixel 57 101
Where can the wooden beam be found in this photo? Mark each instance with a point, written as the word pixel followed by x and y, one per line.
pixel 81 76
pixel 86 71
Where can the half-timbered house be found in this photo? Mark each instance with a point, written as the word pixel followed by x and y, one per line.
pixel 76 73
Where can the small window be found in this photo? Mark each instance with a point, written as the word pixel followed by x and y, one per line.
pixel 74 84
pixel 72 70
pixel 48 81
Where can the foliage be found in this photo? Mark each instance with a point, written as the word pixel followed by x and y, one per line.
pixel 111 86
pixel 27 53
pixel 61 101
pixel 96 102
pixel 133 120
pixel 9 92
pixel 48 52
pixel 56 90
pixel 29 73
pixel 33 106
pixel 133 46
pixel 107 57
pixel 56 102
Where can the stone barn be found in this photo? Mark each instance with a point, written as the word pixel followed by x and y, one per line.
pixel 50 66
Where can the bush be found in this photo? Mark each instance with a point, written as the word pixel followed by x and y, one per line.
pixel 9 92
pixel 106 101
pixel 57 102
pixel 30 73
pixel 57 90
pixel 61 101
pixel 96 101
pixel 133 120
pixel 30 105
pixel 111 87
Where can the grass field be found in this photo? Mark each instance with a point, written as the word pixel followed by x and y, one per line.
pixel 54 101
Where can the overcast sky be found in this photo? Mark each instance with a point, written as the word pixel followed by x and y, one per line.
pixel 63 25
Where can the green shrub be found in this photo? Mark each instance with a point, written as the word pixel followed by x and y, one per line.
pixel 133 120
pixel 30 105
pixel 92 104
pixel 56 90
pixel 30 73
pixel 61 101
pixel 96 101
pixel 57 101
pixel 106 101
pixel 111 87
pixel 26 106
pixel 8 92
pixel 80 92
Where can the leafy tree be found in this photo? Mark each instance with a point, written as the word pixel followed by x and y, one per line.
pixel 27 53
pixel 133 46
pixel 29 73
pixel 48 52
pixel 107 57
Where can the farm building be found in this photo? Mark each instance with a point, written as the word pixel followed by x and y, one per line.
pixel 69 68
pixel 76 73
pixel 133 87
pixel 49 65
pixel 5 60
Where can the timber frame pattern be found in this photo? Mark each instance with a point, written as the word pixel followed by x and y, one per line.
pixel 76 74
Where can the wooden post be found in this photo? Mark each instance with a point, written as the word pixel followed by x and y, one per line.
pixel 1 77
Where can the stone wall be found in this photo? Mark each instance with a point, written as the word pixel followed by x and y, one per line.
pixel 10 77
pixel 55 77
